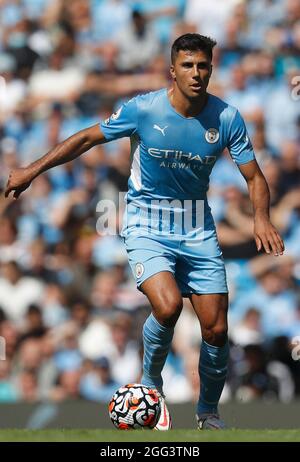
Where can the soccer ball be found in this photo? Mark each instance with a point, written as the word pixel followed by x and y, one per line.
pixel 134 406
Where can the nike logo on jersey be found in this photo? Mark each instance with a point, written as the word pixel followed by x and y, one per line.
pixel 162 130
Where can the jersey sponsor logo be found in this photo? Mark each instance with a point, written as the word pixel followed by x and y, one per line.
pixel 212 135
pixel 181 165
pixel 173 154
pixel 162 130
pixel 114 116
pixel 139 270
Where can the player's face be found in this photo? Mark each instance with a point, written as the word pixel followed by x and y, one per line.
pixel 191 72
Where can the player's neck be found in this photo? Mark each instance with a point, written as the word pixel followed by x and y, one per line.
pixel 185 106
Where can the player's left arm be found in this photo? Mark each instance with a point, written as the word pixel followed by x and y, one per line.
pixel 265 234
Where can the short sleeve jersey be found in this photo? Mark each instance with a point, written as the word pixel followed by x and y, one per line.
pixel 172 155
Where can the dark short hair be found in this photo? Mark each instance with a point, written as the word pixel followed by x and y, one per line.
pixel 192 42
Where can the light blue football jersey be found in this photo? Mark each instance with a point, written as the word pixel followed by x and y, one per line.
pixel 172 155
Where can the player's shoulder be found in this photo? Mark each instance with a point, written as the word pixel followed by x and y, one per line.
pixel 150 99
pixel 222 106
pixel 226 111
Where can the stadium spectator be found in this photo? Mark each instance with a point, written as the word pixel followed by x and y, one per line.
pixel 98 384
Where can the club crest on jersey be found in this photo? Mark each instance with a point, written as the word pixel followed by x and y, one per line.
pixel 114 116
pixel 212 135
pixel 139 270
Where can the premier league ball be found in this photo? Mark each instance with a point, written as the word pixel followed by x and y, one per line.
pixel 134 406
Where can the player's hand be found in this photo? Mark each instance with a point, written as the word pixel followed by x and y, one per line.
pixel 19 179
pixel 267 237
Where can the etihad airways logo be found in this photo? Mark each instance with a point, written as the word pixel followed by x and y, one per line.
pixel 180 155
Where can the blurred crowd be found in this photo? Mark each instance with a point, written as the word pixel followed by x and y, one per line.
pixel 70 313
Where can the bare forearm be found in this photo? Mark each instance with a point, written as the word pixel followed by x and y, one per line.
pixel 20 178
pixel 266 236
pixel 260 196
pixel 63 152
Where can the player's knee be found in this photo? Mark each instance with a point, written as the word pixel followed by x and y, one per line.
pixel 168 311
pixel 216 335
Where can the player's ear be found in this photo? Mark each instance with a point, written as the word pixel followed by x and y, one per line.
pixel 210 70
pixel 172 72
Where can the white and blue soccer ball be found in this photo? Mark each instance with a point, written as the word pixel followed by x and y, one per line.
pixel 134 406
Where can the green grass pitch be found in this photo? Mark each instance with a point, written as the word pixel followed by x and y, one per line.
pixel 84 435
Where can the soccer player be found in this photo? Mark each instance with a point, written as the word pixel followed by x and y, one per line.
pixel 177 135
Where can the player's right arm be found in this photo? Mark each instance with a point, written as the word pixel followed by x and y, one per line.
pixel 20 178
pixel 122 123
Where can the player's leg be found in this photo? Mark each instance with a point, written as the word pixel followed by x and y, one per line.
pixel 211 310
pixel 153 263
pixel 166 302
